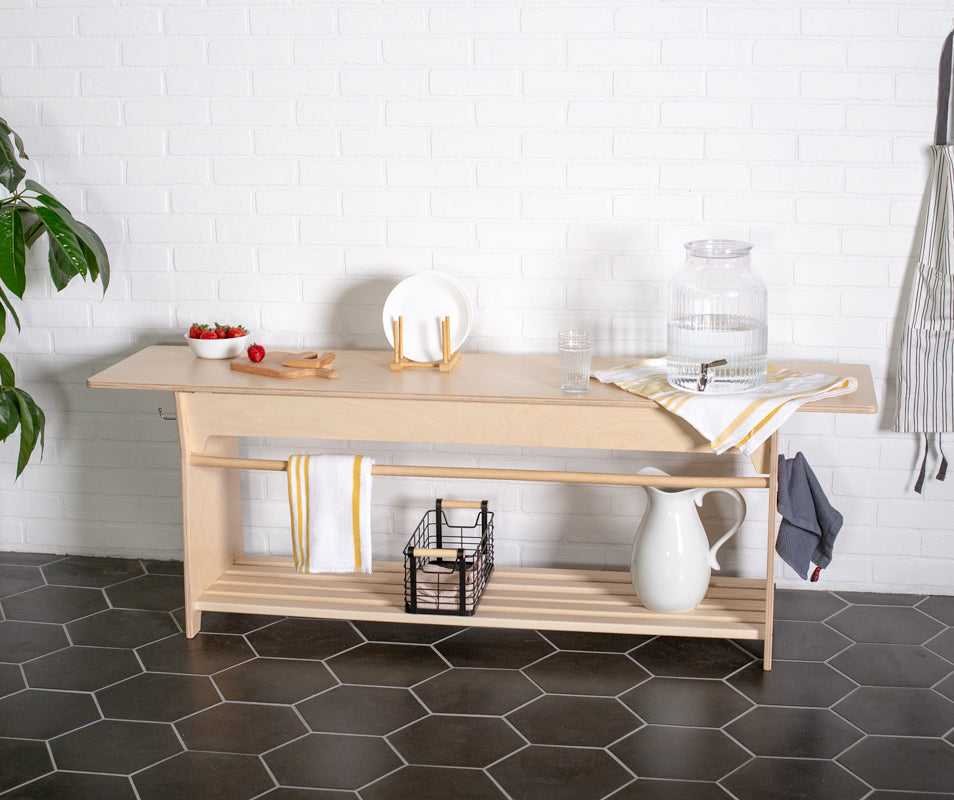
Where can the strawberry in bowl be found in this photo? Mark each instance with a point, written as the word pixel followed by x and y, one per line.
pixel 217 340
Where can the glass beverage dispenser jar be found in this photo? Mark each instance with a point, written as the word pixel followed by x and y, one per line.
pixel 717 340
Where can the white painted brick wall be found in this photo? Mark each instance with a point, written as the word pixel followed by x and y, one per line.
pixel 285 164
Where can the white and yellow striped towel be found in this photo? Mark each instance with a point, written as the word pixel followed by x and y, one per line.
pixel 330 501
pixel 744 420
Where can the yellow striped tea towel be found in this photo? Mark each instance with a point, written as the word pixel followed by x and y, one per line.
pixel 330 501
pixel 744 420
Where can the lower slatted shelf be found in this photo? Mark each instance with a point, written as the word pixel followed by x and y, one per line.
pixel 516 597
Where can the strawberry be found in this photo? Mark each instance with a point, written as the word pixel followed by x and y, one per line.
pixel 256 353
pixel 236 332
pixel 221 331
pixel 196 330
pixel 208 335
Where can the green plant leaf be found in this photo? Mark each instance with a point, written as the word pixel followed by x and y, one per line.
pixel 61 268
pixel 32 428
pixel 70 258
pixel 96 256
pixel 33 227
pixel 9 413
pixel 12 252
pixel 94 251
pixel 5 301
pixel 5 128
pixel 45 196
pixel 7 378
pixel 11 173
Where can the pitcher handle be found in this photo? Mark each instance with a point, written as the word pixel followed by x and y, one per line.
pixel 740 511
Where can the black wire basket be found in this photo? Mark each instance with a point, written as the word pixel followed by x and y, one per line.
pixel 446 567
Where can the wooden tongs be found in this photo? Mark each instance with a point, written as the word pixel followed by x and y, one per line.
pixel 321 366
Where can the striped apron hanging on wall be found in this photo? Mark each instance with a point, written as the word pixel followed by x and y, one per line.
pixel 926 367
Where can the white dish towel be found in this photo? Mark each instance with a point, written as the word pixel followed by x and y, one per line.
pixel 330 501
pixel 744 420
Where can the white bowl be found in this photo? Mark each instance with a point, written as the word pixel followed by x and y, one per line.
pixel 219 348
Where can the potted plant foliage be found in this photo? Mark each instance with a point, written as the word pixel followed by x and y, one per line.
pixel 27 214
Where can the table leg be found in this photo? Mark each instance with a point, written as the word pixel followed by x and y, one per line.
pixel 770 553
pixel 211 512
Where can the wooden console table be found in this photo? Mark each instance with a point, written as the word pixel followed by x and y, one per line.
pixel 512 400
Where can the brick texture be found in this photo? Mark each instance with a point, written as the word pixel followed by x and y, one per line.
pixel 285 166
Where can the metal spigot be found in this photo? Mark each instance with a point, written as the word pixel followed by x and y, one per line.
pixel 704 377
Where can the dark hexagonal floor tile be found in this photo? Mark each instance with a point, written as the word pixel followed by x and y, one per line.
pixel 404 633
pixel 684 657
pixel 497 648
pixel 16 579
pixel 54 604
pixel 577 672
pixel 943 644
pixel 204 654
pixel 476 691
pixel 809 606
pixel 889 795
pixel 369 710
pixel 657 789
pixel 433 783
pixel 806 641
pixel 204 776
pixel 941 607
pixel 787 778
pixel 701 703
pixel 792 683
pixel 898 712
pixel 28 559
pixel 75 786
pixel 885 624
pixel 23 641
pixel 83 669
pixel 240 728
pixel 880 598
pixel 574 721
pixel 219 622
pixel 122 628
pixel 11 679
pixel 87 571
pixel 157 567
pixel 588 640
pixel 379 663
pixel 896 665
pixel 158 697
pixel 289 793
pixel 794 732
pixel 902 763
pixel 274 680
pixel 304 638
pixel 332 761
pixel 946 687
pixel 149 593
pixel 699 754
pixel 456 741
pixel 40 714
pixel 115 746
pixel 559 773
pixel 22 761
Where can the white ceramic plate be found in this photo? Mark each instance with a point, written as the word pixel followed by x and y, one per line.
pixel 424 300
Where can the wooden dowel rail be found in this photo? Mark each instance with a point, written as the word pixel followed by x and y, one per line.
pixel 488 474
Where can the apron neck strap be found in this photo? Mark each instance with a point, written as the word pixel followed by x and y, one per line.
pixel 942 124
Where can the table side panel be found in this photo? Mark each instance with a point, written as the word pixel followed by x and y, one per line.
pixel 441 421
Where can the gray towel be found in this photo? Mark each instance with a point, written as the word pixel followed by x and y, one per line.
pixel 809 523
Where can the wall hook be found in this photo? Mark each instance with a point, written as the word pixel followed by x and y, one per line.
pixel 167 417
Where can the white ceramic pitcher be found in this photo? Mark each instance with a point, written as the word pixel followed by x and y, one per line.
pixel 672 560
